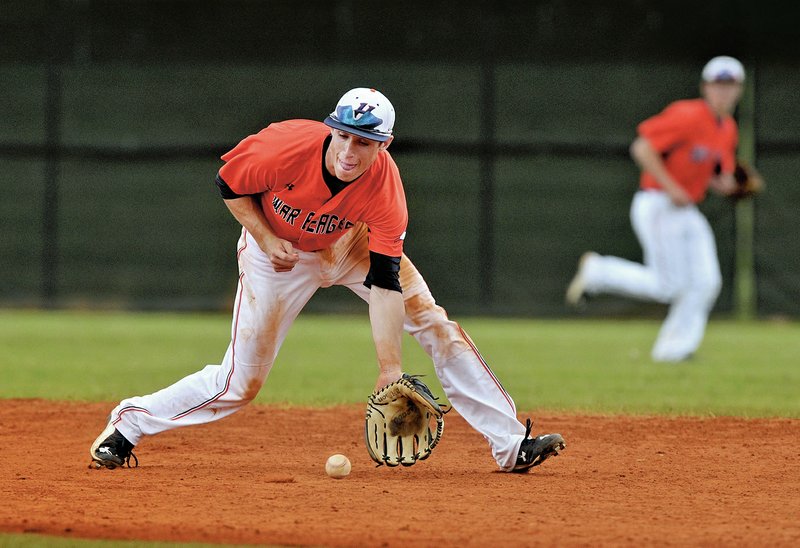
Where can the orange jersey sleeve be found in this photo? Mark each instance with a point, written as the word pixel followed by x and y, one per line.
pixel 387 217
pixel 259 162
pixel 669 128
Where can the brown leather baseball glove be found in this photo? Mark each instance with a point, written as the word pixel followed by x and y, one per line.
pixel 399 420
pixel 748 181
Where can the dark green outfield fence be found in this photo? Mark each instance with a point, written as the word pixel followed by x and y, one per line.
pixel 513 122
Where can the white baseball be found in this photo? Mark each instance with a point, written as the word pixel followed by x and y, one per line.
pixel 337 466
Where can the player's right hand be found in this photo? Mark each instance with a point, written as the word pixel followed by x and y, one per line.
pixel 282 255
pixel 679 196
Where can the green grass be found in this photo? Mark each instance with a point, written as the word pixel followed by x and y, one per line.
pixel 574 366
pixel 580 366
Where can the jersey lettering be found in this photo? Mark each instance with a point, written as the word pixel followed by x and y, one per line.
pixel 325 224
pixel 284 210
pixel 699 154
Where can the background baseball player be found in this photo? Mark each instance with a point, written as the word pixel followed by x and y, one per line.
pixel 682 151
pixel 323 204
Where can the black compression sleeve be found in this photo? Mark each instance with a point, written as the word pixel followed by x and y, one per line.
pixel 225 191
pixel 384 271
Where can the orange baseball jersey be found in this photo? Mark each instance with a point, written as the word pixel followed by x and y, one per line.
pixel 692 140
pixel 284 162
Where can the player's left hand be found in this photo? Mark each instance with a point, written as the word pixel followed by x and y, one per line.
pixel 387 377
pixel 723 184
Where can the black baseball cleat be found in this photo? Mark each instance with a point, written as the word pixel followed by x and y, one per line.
pixel 534 451
pixel 111 449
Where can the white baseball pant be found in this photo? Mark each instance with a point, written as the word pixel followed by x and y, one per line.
pixel 680 268
pixel 266 304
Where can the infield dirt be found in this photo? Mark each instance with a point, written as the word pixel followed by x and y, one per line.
pixel 258 477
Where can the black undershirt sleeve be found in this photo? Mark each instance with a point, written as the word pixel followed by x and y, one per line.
pixel 225 191
pixel 384 271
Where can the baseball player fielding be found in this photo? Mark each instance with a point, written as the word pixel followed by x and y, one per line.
pixel 337 466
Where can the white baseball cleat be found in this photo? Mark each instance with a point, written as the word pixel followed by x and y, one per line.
pixel 576 291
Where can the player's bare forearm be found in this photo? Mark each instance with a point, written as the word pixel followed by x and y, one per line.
pixel 386 315
pixel 249 214
pixel 648 159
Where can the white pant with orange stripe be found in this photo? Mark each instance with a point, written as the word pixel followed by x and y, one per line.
pixel 266 305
